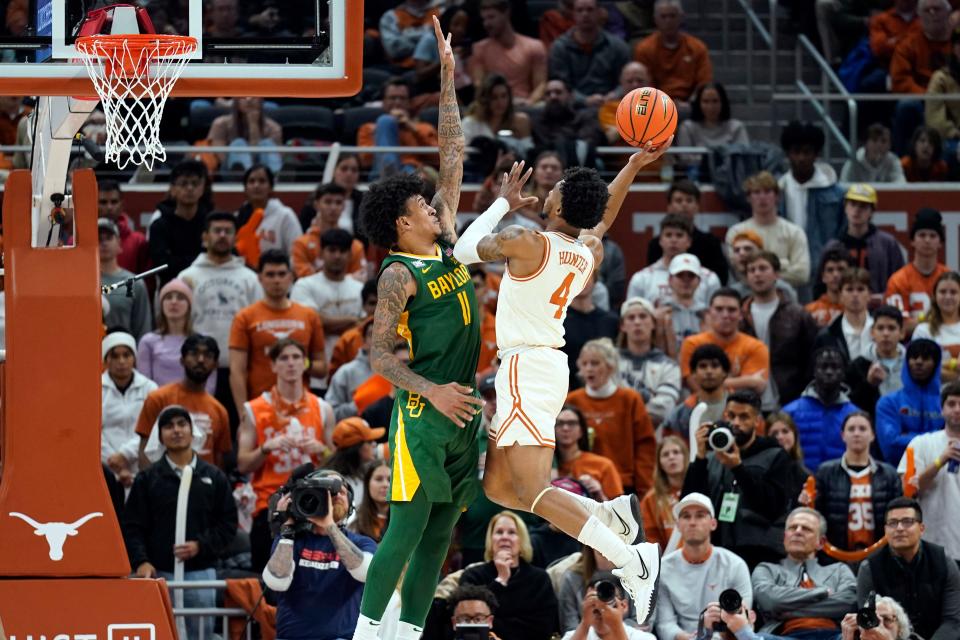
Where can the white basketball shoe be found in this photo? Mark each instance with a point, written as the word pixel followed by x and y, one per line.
pixel 622 516
pixel 641 579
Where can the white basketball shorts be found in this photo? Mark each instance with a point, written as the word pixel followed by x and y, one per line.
pixel 532 386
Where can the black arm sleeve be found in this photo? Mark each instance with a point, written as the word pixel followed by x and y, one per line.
pixel 696 478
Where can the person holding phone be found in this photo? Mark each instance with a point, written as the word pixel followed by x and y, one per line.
pixel 471 612
pixel 604 610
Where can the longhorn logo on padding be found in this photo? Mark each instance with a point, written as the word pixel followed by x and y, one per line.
pixel 55 532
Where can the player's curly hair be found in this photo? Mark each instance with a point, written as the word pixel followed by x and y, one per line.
pixel 383 203
pixel 583 197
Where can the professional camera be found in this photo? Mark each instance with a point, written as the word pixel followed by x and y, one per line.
pixel 720 437
pixel 867 617
pixel 606 592
pixel 730 601
pixel 310 497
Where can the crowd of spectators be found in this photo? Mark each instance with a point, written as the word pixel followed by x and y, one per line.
pixel 833 359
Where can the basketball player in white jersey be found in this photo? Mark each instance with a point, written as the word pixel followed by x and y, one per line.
pixel 545 271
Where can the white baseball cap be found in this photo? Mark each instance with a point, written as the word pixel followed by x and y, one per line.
pixel 693 499
pixel 685 262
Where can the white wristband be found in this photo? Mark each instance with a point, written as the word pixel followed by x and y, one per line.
pixel 466 248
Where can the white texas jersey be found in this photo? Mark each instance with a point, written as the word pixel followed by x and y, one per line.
pixel 531 310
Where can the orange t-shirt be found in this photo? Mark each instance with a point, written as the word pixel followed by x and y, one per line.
pixel 553 24
pixel 623 433
pixel 272 415
pixel 914 60
pixel 798 624
pixel 657 523
pixel 205 411
pixel 677 71
pixel 423 134
pixel 860 525
pixel 911 291
pixel 824 310
pixel 599 467
pixel 305 255
pixel 747 354
pixel 256 327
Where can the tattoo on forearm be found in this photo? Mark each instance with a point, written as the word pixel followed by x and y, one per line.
pixel 281 562
pixel 391 301
pixel 350 555
pixel 451 146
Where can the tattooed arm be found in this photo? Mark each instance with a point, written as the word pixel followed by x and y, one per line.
pixel 278 574
pixel 451 142
pixel 353 558
pixel 395 287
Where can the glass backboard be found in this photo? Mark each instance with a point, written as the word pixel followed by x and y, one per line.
pixel 270 48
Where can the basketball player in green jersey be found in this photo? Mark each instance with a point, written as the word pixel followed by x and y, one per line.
pixel 426 298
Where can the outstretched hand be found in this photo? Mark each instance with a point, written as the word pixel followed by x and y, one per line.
pixel 648 154
pixel 511 187
pixel 444 47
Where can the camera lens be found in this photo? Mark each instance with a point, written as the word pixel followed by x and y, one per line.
pixel 721 437
pixel 308 503
pixel 730 601
pixel 606 592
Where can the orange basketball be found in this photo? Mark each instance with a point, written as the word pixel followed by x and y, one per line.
pixel 646 115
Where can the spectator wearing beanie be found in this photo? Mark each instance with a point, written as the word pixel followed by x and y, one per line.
pixel 915 408
pixel 158 354
pixel 122 392
pixel 910 288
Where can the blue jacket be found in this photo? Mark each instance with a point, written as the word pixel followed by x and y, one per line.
pixel 908 412
pixel 825 217
pixel 818 426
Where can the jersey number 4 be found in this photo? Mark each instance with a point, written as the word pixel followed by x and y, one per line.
pixel 561 296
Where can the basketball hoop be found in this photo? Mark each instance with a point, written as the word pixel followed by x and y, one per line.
pixel 133 74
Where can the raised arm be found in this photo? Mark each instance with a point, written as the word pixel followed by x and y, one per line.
pixel 480 244
pixel 621 185
pixel 450 140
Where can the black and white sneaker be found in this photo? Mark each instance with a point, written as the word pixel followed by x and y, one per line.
pixel 641 579
pixel 622 516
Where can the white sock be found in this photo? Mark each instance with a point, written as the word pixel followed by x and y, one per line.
pixel 367 628
pixel 407 631
pixel 596 534
pixel 593 507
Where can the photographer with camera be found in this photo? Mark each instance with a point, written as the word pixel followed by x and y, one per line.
pixel 746 477
pixel 471 612
pixel 604 609
pixel 697 573
pixel 318 567
pixel 729 619
pixel 917 573
pixel 880 619
pixel 799 597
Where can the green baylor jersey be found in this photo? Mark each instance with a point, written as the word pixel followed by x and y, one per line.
pixel 441 323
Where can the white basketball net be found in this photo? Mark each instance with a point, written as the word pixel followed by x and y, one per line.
pixel 133 75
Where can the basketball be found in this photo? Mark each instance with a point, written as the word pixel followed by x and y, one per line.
pixel 646 115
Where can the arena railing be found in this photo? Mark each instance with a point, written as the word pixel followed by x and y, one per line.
pixel 224 613
pixel 752 23
pixel 333 152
